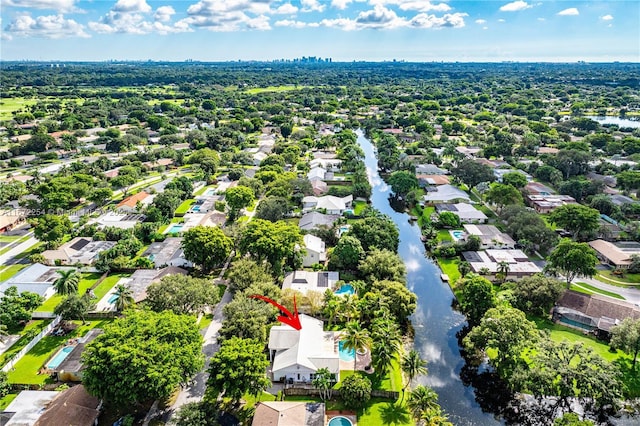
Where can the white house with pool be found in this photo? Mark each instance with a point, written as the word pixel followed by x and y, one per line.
pixel 296 355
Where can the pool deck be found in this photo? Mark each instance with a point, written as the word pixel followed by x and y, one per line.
pixel 362 361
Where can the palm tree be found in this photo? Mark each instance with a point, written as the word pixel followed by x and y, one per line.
pixel 67 283
pixel 422 400
pixel 124 297
pixel 412 365
pixel 323 382
pixel 436 417
pixel 382 355
pixel 502 271
pixel 355 338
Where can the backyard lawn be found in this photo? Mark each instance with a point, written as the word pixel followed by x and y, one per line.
pixel 26 370
pixel 184 207
pixel 85 283
pixel 444 235
pixel 27 333
pixel 107 284
pixel 450 268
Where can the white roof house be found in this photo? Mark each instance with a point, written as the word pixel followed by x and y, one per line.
pixel 304 281
pixel 490 237
pixel 330 203
pixel 317 173
pixel 296 354
pixel 332 165
pixel 79 250
pixel 37 278
pixel 446 193
pixel 489 260
pixel 315 250
pixel 119 220
pixel 466 212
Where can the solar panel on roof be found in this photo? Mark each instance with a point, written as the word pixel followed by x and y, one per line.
pixel 79 245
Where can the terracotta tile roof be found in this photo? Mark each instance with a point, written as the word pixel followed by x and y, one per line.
pixel 132 200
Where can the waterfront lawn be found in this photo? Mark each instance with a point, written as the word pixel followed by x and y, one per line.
pixel 450 268
pixel 358 207
pixel 444 235
pixel 559 333
pixel 26 370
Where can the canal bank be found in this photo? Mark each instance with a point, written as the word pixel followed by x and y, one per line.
pixel 435 322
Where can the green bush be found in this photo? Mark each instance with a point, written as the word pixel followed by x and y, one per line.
pixel 355 391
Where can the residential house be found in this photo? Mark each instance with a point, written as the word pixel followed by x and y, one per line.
pixel 167 253
pixel 430 169
pixel 620 200
pixel 330 203
pixel 468 151
pixel 317 173
pixel 80 250
pixel 616 254
pixel 490 237
pixel 319 187
pixel 10 219
pixel 548 203
pixel 141 279
pixel 536 188
pixel 330 165
pixel 158 164
pixel 466 212
pixel 445 194
pixel 27 408
pixel 36 278
pixel 489 261
pixel 70 369
pixel 315 250
pixel 119 220
pixel 304 281
pixel 297 354
pixel 595 313
pixel 427 180
pixel 289 413
pixel 135 203
pixel 109 174
pixel 315 219
pixel 73 406
pixel 499 174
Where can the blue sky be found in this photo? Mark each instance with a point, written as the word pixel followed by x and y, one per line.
pixel 345 30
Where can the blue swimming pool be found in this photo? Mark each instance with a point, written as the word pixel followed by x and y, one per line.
pixel 340 421
pixel 345 289
pixel 59 357
pixel 113 298
pixel 457 235
pixel 346 354
pixel 174 229
pixel 196 208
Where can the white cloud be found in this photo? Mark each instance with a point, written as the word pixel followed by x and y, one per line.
pixel 448 20
pixel 311 6
pixel 164 13
pixel 417 5
pixel 607 18
pixel 258 23
pixel 130 17
pixel 132 6
pixel 501 20
pixel 572 11
pixel 52 26
pixel 59 5
pixel 480 21
pixel 515 6
pixel 340 4
pixel 290 23
pixel 379 17
pixel 286 9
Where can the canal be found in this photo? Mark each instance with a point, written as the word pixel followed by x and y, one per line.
pixel 435 321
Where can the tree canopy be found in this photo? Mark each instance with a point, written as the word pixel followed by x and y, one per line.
pixel 206 246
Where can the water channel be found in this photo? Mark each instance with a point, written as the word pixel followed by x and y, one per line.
pixel 435 321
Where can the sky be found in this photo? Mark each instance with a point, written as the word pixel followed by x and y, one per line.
pixel 344 30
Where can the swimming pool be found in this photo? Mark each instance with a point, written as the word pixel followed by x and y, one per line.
pixel 346 354
pixel 340 421
pixel 345 289
pixel 174 229
pixel 113 298
pixel 343 229
pixel 195 208
pixel 457 235
pixel 59 357
pixel 210 192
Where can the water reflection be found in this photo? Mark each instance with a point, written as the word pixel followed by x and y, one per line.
pixel 435 322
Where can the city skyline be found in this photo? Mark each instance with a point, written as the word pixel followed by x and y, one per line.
pixel 344 30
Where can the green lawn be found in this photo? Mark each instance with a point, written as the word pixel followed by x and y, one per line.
pixel 184 207
pixel 620 281
pixel 107 284
pixel 10 271
pixel 450 268
pixel 9 238
pixel 18 241
pixel 589 289
pixel 204 189
pixel 358 207
pixel 205 321
pixel 26 370
pixel 382 413
pixel 85 283
pixel 444 235
pixel 273 89
pixel 28 333
pixel 6 400
pixel 9 105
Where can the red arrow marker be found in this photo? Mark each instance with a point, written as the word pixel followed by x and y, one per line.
pixel 288 318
